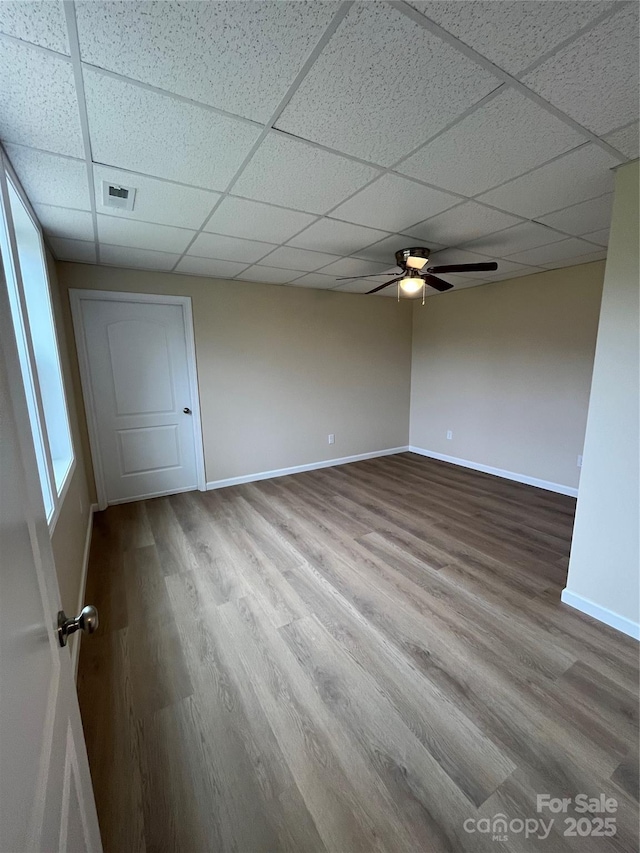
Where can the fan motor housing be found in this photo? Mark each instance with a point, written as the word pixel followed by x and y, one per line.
pixel 403 255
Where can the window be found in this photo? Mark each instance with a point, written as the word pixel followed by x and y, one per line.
pixel 25 270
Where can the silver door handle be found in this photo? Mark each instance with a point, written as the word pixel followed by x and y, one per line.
pixel 87 621
pixel 187 410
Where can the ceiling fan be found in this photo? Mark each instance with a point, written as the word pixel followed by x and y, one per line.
pixel 416 274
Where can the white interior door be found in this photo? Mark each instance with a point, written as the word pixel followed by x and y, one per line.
pixel 138 370
pixel 46 798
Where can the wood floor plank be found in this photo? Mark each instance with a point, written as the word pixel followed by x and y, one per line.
pixel 358 658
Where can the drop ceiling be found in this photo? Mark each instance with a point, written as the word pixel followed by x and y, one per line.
pixel 296 142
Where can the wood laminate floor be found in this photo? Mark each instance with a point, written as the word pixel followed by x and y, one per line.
pixel 350 660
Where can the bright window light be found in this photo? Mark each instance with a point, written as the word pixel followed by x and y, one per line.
pixel 25 272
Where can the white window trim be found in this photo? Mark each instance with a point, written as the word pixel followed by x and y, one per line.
pixel 7 169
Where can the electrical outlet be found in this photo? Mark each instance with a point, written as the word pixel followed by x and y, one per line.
pixel 332 438
pixel 580 460
pixel 449 435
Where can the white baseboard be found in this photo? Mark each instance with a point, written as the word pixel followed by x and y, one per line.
pixel 298 469
pixel 75 649
pixel 602 614
pixel 499 472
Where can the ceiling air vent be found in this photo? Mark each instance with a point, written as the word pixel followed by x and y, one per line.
pixel 115 195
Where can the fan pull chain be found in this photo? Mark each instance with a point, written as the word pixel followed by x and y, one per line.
pixel 424 287
pixel 398 286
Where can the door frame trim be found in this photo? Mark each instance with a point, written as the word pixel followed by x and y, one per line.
pixel 76 297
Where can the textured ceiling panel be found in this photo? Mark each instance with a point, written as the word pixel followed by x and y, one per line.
pixel 229 248
pixel 465 222
pixel 121 256
pixel 626 140
pixel 337 238
pixel 559 251
pixel 38 104
pixel 393 204
pixel 49 179
pixel 519 238
pixel 595 78
pixel 143 235
pixel 297 259
pixel 360 96
pixel 576 176
pixel 578 219
pixel 288 172
pixel 356 266
pixel 239 57
pixel 210 267
pixel 155 200
pixel 36 22
pixel 512 33
pixel 62 222
pixel 601 237
pixel 257 221
pixel 270 275
pixel 315 279
pixel 500 140
pixel 73 250
pixel 580 259
pixel 134 128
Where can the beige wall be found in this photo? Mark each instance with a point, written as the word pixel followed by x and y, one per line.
pixel 280 368
pixel 507 367
pixel 605 564
pixel 70 532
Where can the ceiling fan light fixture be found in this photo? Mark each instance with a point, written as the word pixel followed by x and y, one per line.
pixel 411 283
pixel 416 263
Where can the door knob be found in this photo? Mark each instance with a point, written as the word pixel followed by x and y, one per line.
pixel 87 621
pixel 187 410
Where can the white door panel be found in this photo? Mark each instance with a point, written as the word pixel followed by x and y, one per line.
pixel 40 727
pixel 137 381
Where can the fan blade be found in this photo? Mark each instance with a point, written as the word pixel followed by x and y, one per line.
pixel 492 265
pixel 381 286
pixel 437 283
pixel 354 277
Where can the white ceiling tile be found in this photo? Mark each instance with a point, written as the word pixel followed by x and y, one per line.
pixel 384 252
pixel 594 79
pixel 38 104
pixel 335 237
pixel 460 224
pixel 506 137
pixel 134 128
pixel 511 33
pixel 362 93
pixel 270 275
pixel 315 280
pixel 240 57
pixel 626 140
pixel 393 203
pixel 156 201
pixel 73 250
pixel 121 256
pixel 289 258
pixel 600 237
pixel 577 176
pixel 363 286
pixel 257 221
pixel 142 235
pixel 209 267
pixel 62 222
pixel 509 270
pixel 291 173
pixel 580 259
pixel 229 248
pixel 49 179
pixel 519 238
pixel 591 215
pixel 36 22
pixel 552 252
pixel 356 266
